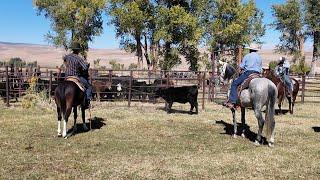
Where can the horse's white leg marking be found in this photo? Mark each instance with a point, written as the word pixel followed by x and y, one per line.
pixel 64 133
pixel 59 128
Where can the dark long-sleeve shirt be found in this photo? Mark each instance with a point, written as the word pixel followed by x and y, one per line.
pixel 73 64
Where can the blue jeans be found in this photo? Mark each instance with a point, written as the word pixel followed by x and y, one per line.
pixel 233 91
pixel 88 87
pixel 287 81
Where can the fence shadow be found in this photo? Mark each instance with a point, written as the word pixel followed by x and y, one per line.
pixel 316 129
pixel 250 135
pixel 96 123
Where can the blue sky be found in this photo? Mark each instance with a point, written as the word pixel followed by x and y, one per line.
pixel 20 24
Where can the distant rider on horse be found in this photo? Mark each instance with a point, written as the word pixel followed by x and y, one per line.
pixel 251 63
pixel 74 64
pixel 282 71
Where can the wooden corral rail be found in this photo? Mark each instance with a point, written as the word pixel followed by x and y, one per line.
pixel 137 85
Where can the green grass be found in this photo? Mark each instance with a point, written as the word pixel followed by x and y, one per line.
pixel 145 142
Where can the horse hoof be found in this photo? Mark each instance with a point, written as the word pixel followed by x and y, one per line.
pixel 243 135
pixel 234 136
pixel 59 135
pixel 271 145
pixel 257 143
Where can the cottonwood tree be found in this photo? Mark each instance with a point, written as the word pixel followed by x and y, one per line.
pixel 179 32
pixel 231 24
pixel 290 22
pixel 162 29
pixel 72 20
pixel 312 20
pixel 131 19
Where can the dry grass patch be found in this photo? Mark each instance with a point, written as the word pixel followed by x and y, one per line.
pixel 146 142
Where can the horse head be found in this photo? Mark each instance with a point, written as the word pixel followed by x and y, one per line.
pixel 227 72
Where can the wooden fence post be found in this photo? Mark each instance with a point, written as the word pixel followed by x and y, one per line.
pixel 50 87
pixel 303 88
pixel 203 89
pixel 110 75
pixel 212 80
pixel 20 81
pixel 168 79
pixel 130 87
pixel 7 86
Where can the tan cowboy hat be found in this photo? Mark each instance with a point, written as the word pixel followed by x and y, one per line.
pixel 253 46
pixel 75 46
pixel 282 58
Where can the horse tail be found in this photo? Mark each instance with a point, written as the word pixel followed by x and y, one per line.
pixel 270 109
pixel 60 98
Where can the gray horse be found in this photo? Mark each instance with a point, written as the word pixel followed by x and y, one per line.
pixel 261 92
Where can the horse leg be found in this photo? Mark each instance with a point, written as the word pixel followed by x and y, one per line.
pixel 243 121
pixel 258 114
pixel 290 104
pixel 59 121
pixel 279 105
pixel 75 115
pixel 234 123
pixel 66 117
pixel 83 113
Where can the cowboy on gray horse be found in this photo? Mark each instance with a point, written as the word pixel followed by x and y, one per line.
pixel 74 63
pixel 251 63
pixel 282 71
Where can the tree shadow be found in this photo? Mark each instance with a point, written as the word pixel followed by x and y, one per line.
pixel 316 129
pixel 174 111
pixel 250 135
pixel 96 123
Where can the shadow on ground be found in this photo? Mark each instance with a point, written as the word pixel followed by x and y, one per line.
pixel 96 123
pixel 174 111
pixel 248 133
pixel 316 129
pixel 282 112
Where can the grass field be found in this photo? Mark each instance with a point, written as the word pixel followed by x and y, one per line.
pixel 146 142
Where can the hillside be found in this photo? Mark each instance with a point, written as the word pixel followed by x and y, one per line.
pixel 49 56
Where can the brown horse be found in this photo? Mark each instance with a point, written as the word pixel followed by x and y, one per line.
pixel 282 89
pixel 68 95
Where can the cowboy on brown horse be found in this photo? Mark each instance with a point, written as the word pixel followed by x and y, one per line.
pixel 74 64
pixel 282 71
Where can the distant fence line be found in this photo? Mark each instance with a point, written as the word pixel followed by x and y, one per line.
pixel 139 85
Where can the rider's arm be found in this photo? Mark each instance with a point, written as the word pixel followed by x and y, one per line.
pixel 83 64
pixel 243 63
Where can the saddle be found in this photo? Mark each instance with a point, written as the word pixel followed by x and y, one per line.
pixel 246 82
pixel 76 80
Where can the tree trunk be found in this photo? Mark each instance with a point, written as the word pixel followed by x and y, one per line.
pixel 146 54
pixel 239 52
pixel 167 54
pixel 139 50
pixel 316 53
pixel 301 45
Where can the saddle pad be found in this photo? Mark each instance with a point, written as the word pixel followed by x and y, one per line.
pixel 246 82
pixel 76 80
